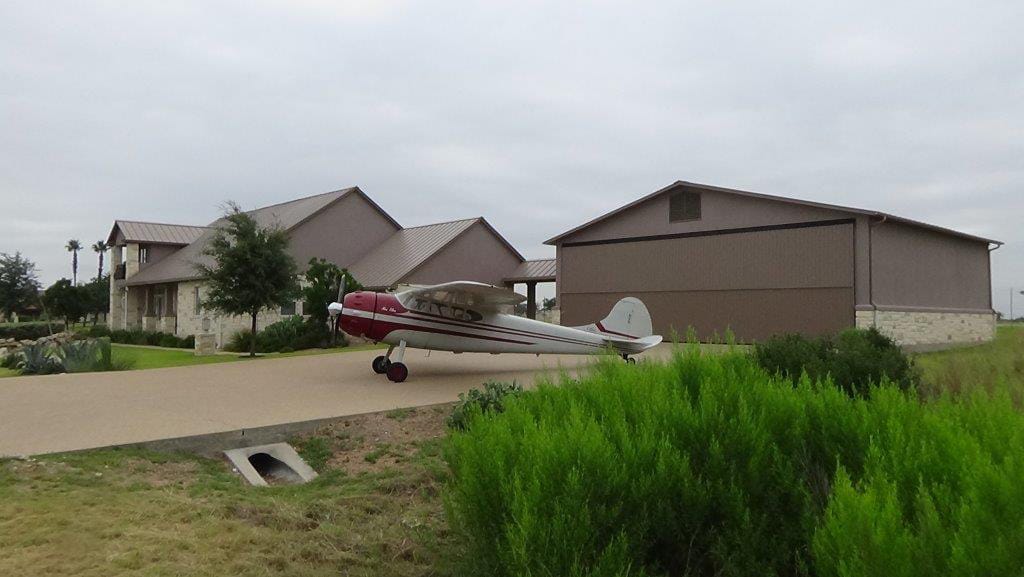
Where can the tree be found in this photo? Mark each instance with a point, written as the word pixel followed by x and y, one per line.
pixel 73 246
pixel 100 247
pixel 548 304
pixel 19 286
pixel 97 296
pixel 322 280
pixel 65 300
pixel 252 269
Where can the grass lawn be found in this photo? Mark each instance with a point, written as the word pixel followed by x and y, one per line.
pixel 374 510
pixel 995 365
pixel 156 357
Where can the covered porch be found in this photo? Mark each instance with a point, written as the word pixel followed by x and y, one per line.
pixel 530 273
pixel 152 307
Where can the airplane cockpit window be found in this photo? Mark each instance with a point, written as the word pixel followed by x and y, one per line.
pixel 443 310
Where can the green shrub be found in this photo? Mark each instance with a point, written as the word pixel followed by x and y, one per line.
pixel 97 331
pixel 292 333
pixel 29 331
pixel 855 359
pixel 711 466
pixel 151 338
pixel 10 361
pixel 476 402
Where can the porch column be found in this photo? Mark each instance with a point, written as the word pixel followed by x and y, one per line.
pixel 531 300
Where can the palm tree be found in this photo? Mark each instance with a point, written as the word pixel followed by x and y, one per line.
pixel 73 247
pixel 101 248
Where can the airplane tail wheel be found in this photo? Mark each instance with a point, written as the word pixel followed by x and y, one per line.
pixel 381 364
pixel 397 372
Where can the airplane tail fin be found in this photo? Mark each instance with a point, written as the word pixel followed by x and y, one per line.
pixel 628 319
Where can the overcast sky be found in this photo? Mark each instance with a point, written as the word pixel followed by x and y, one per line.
pixel 538 116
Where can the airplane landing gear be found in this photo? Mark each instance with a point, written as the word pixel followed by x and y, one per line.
pixel 395 370
pixel 381 364
pixel 629 360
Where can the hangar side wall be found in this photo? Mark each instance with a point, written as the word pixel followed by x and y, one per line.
pixel 754 284
pixel 928 289
pixel 923 269
pixel 475 255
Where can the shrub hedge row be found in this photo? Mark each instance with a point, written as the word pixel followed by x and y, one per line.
pixel 141 337
pixel 291 334
pixel 29 331
pixel 709 465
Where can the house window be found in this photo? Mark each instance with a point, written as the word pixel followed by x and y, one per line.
pixel 684 206
pixel 288 309
pixel 143 254
pixel 198 303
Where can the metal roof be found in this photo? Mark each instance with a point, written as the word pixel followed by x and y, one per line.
pixel 542 270
pixel 836 207
pixel 180 266
pixel 154 232
pixel 406 250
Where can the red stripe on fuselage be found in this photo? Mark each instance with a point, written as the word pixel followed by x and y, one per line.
pixel 386 327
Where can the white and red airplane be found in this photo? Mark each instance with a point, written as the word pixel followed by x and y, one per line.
pixel 464 316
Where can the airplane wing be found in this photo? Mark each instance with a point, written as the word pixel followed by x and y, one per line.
pixel 466 293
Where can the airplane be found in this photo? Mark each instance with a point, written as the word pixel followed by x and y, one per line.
pixel 465 316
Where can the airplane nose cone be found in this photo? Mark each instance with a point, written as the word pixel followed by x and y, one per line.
pixel 357 314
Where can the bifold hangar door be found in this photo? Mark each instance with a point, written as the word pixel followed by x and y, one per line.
pixel 755 282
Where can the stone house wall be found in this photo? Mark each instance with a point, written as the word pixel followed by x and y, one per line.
pixel 223 327
pixel 932 330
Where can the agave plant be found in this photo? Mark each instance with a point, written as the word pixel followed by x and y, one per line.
pixel 79 356
pixel 38 360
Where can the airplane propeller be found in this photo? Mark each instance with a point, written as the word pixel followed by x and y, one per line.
pixel 335 308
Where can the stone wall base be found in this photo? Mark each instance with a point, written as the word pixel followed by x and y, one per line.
pixel 920 329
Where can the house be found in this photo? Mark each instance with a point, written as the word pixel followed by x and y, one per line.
pixel 717 259
pixel 156 286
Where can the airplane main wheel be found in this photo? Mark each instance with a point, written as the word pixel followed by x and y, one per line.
pixel 381 364
pixel 630 361
pixel 397 372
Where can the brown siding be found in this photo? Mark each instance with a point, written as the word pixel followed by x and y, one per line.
pixel 475 255
pixel 756 283
pixel 918 268
pixel 341 233
pixel 718 211
pixel 751 315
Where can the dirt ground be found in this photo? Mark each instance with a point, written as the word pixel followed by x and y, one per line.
pixel 375 442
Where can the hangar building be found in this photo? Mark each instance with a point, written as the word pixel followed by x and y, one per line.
pixel 718 259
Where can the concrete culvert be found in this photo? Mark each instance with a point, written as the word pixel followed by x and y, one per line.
pixel 276 464
pixel 273 471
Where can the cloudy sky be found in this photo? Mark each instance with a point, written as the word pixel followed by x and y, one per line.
pixel 536 115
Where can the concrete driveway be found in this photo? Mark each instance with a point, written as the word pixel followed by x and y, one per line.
pixel 46 414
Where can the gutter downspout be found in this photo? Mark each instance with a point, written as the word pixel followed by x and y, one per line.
pixel 871 270
pixel 997 246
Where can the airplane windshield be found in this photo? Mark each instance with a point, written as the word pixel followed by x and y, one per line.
pixel 447 311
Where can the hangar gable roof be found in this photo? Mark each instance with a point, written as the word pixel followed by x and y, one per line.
pixel 768 197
